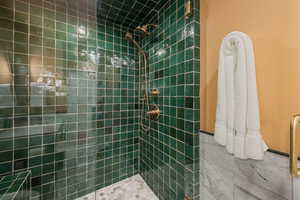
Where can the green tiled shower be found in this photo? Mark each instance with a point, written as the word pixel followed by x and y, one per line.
pixel 69 96
pixel 169 153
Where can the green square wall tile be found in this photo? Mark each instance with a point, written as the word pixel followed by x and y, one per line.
pixel 180 86
pixel 83 98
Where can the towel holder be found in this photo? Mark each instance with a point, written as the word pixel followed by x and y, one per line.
pixel 295 171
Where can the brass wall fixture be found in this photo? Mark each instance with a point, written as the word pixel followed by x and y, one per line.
pixel 295 171
pixel 145 28
pixel 188 9
pixel 154 113
pixel 154 92
pixel 187 198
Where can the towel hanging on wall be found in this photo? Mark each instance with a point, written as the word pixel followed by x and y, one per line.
pixel 237 123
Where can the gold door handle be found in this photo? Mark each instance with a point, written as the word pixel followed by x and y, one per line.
pixel 295 171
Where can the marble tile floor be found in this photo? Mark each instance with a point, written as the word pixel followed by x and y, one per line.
pixel 224 177
pixel 133 188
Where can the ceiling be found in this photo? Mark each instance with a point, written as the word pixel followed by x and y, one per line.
pixel 130 13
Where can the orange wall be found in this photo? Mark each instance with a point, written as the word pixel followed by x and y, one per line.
pixel 274 26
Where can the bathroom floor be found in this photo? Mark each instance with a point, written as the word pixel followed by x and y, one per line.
pixel 133 188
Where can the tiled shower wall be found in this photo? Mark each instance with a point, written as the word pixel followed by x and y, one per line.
pixel 67 97
pixel 170 151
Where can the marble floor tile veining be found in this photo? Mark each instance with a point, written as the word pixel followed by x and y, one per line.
pixel 224 177
pixel 133 188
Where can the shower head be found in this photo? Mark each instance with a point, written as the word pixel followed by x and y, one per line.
pixel 144 29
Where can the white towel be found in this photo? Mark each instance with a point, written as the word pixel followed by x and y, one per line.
pixel 237 123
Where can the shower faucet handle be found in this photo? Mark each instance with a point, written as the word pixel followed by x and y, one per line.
pixel 187 198
pixel 154 113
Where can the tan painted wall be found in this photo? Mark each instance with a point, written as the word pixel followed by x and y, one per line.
pixel 274 26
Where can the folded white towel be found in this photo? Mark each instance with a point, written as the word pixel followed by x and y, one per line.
pixel 237 123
